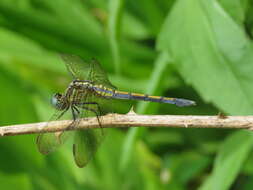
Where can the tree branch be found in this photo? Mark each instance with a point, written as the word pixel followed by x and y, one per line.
pixel 133 120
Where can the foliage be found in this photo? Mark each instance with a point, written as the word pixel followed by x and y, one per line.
pixel 194 49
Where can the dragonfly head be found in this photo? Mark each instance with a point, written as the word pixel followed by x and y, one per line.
pixel 58 102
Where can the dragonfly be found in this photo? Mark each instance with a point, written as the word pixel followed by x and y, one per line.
pixel 87 95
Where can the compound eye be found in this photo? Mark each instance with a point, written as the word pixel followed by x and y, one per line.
pixel 57 95
pixel 56 101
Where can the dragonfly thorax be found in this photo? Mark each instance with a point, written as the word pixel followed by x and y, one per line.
pixel 58 102
pixel 81 84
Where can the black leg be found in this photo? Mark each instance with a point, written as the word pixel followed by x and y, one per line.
pixel 73 113
pixel 62 113
pixel 75 108
pixel 94 111
pixel 93 103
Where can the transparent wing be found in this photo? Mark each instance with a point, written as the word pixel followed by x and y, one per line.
pixel 98 75
pixel 86 142
pixel 84 70
pixel 49 142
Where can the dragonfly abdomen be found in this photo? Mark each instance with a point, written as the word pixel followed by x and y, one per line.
pixel 161 99
pixel 111 93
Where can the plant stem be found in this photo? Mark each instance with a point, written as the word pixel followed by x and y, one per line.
pixel 132 120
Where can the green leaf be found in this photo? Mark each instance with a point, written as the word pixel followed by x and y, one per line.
pixel 115 10
pixel 236 9
pixel 149 12
pixel 211 53
pixel 229 160
pixel 65 25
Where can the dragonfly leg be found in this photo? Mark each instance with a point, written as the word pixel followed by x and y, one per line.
pixel 75 112
pixel 94 111
pixel 75 108
pixel 62 113
pixel 93 103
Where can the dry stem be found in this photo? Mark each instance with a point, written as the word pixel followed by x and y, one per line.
pixel 134 120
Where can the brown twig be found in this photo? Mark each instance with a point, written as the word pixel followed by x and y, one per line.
pixel 134 120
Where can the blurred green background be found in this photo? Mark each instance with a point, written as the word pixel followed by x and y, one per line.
pixel 195 49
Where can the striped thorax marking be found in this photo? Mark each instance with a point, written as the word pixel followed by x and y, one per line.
pixel 76 90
